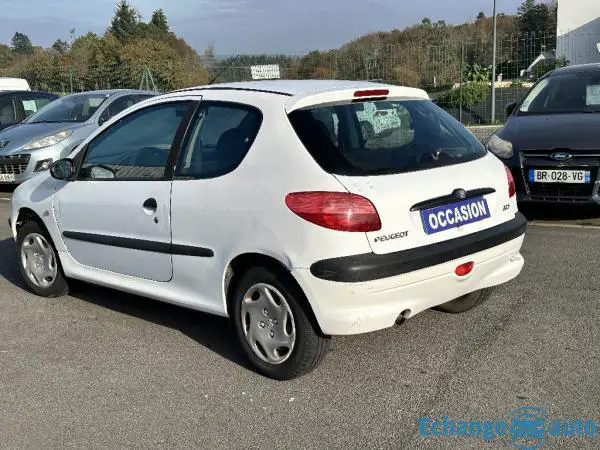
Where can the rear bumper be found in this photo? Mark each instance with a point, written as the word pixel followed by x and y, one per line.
pixel 371 266
pixel 355 308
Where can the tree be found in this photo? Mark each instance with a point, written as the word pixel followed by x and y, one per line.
pixel 426 21
pixel 124 23
pixel 534 17
pixel 481 15
pixel 21 44
pixel 159 20
pixel 60 46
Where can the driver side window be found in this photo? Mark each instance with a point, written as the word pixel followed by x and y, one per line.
pixel 136 147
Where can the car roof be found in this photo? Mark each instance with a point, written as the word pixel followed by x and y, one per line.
pixel 292 87
pixel 579 68
pixel 27 92
pixel 110 92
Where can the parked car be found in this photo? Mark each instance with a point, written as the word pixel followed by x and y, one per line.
pixel 14 84
pixel 56 129
pixel 551 140
pixel 237 200
pixel 16 106
pixel 377 118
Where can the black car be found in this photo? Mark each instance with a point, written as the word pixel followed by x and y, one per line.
pixel 16 106
pixel 551 140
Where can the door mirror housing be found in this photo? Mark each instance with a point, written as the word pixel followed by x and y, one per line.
pixel 510 108
pixel 63 169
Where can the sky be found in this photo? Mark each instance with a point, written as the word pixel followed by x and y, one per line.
pixel 243 26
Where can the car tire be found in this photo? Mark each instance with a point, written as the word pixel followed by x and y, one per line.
pixel 268 308
pixel 38 261
pixel 466 302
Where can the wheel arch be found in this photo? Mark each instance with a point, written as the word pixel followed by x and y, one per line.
pixel 244 261
pixel 27 214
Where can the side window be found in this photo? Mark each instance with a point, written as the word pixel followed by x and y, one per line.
pixel 220 137
pixel 118 105
pixel 32 104
pixel 7 111
pixel 136 147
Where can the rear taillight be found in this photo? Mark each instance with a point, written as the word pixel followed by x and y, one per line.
pixel 340 211
pixel 511 183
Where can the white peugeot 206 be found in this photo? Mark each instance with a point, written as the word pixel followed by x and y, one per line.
pixel 264 202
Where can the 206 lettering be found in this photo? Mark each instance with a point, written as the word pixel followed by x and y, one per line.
pixel 390 237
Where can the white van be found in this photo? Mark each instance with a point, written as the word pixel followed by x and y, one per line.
pixel 14 84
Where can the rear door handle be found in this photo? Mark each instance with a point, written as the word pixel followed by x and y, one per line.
pixel 150 205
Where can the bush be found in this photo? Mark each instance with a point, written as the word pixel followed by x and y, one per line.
pixel 472 92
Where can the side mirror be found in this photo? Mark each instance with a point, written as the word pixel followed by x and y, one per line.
pixel 101 121
pixel 63 169
pixel 510 108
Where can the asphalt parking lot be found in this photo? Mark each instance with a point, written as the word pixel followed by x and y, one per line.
pixel 103 369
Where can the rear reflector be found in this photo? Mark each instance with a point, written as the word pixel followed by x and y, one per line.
pixel 340 211
pixel 372 93
pixel 464 269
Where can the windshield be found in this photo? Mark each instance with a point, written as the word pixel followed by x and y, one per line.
pixel 377 138
pixel 563 94
pixel 72 108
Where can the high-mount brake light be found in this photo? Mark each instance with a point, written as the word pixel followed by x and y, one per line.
pixel 372 93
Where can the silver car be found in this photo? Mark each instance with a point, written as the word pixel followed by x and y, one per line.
pixel 56 129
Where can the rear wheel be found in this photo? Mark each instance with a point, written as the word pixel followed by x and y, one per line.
pixel 466 302
pixel 38 261
pixel 273 325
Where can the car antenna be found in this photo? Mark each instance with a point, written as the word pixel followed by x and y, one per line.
pixel 224 69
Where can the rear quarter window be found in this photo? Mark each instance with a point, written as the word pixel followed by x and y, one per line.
pixel 384 137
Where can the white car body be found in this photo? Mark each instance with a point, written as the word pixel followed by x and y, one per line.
pixel 205 224
pixel 14 84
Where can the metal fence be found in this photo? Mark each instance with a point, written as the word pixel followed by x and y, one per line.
pixel 455 73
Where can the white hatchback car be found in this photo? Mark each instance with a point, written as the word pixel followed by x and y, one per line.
pixel 245 201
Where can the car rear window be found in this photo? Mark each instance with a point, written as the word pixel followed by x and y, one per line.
pixel 384 137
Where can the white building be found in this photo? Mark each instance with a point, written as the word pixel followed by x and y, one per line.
pixel 578 31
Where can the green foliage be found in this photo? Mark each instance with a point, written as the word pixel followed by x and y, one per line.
pixel 533 17
pixel 472 93
pixel 159 20
pixel 481 15
pixel 60 46
pixel 124 23
pixel 562 61
pixel 115 60
pixel 21 44
pixel 477 74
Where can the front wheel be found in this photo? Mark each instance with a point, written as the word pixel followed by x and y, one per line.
pixel 466 302
pixel 38 261
pixel 273 325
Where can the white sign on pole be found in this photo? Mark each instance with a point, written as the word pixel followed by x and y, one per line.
pixel 266 72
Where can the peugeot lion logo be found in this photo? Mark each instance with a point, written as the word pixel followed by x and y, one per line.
pixel 560 156
pixel 460 193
